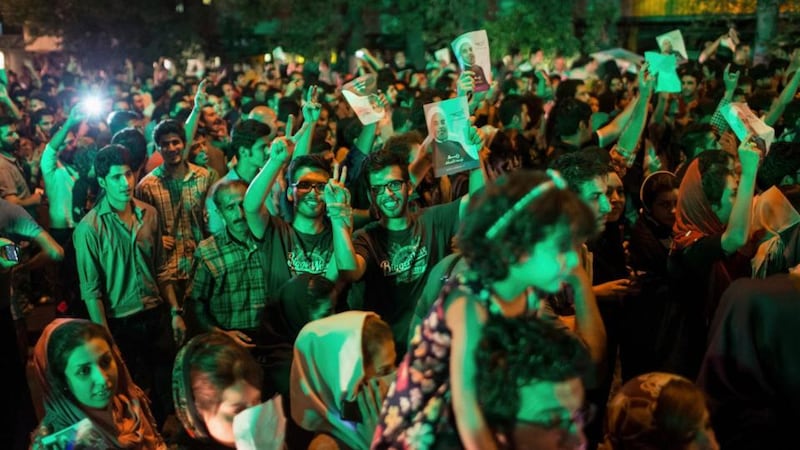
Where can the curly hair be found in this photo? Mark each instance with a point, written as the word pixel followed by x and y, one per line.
pixel 108 156
pixel 515 352
pixel 492 258
pixel 377 161
pixel 579 167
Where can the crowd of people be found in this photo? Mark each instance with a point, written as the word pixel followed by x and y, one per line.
pixel 237 260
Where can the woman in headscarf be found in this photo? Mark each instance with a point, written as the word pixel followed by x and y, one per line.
pixel 215 379
pixel 751 371
pixel 82 376
pixel 712 229
pixel 343 365
pixel 659 411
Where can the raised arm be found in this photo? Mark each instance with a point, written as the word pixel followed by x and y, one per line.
pixel 337 203
pixel 737 232
pixel 255 210
pixel 779 105
pixel 200 100
pixel 9 104
pixel 629 139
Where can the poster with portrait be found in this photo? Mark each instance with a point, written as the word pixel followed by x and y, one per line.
pixel 671 43
pixel 361 94
pixel 744 122
pixel 472 52
pixel 448 125
pixel 665 68
pixel 443 56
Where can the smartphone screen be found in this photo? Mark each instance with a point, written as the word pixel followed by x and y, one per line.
pixel 10 252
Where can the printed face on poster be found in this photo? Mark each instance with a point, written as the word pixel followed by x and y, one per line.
pixel 448 125
pixel 671 43
pixel 744 123
pixel 472 52
pixel 361 94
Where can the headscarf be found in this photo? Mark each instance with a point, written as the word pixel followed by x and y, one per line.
pixel 127 421
pixel 327 370
pixel 630 415
pixel 774 214
pixel 694 216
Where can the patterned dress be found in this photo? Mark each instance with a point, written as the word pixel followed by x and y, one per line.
pixel 417 411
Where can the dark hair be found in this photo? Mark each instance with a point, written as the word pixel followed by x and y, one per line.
pixel 246 132
pixel 655 185
pixel 403 143
pixel 510 107
pixel 714 172
pixel 782 159
pixel 374 334
pixel 680 407
pixel 108 156
pixel 492 258
pixel 302 296
pixel 567 89
pixel 693 138
pixel 513 353
pixel 65 338
pixel 310 161
pixel 225 185
pixel 83 157
pixel 166 127
pixel 135 142
pixel 578 168
pixel 216 363
pixel 566 117
pixel 377 161
pixel 36 117
pixel 118 120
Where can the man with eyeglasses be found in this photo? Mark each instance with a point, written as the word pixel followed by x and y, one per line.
pixel 394 255
pixel 544 406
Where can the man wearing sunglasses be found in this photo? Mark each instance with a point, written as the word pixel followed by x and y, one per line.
pixel 394 254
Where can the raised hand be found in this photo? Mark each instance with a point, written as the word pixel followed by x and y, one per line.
pixel 731 79
pixel 337 197
pixel 466 83
pixel 201 97
pixel 281 149
pixel 749 156
pixel 311 108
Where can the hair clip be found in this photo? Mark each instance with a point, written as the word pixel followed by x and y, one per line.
pixel 556 181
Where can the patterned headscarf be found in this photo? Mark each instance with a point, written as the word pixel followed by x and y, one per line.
pixel 127 421
pixel 630 417
pixel 694 216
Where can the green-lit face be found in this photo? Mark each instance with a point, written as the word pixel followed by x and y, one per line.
pixel 309 201
pixel 92 373
pixel 593 192
pixel 549 263
pixel 549 416
pixel 392 204
pixel 230 206
pixel 118 184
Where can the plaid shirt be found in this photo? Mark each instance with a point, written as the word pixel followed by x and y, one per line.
pixel 180 206
pixel 718 121
pixel 229 280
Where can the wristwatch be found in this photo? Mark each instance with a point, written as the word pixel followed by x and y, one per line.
pixel 176 312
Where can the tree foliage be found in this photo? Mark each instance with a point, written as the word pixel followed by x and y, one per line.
pixel 101 30
pixel 529 26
